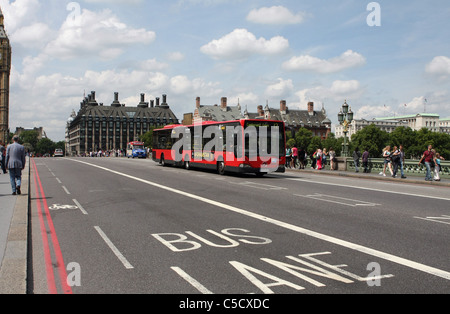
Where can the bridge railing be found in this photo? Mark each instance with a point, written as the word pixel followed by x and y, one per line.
pixel 376 165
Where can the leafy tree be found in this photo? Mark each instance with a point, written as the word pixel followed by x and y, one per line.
pixel 29 137
pixel 303 138
pixel 45 146
pixel 316 142
pixel 371 138
pixel 147 138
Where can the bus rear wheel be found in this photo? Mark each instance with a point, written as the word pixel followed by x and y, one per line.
pixel 221 167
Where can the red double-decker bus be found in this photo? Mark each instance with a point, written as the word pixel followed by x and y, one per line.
pixel 241 146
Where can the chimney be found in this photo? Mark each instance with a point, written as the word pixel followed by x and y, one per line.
pixel 157 102
pixel 143 104
pixel 116 102
pixel 197 102
pixel 223 103
pixel 164 103
pixel 283 107
pixel 152 103
pixel 311 108
pixel 92 100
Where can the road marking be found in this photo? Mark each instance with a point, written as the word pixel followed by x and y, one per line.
pixel 66 190
pixel 54 240
pixel 370 189
pixel 338 200
pixel 356 247
pixel 437 219
pixel 191 280
pixel 114 249
pixel 59 181
pixel 260 186
pixel 80 207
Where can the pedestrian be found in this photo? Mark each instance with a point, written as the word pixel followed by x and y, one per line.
pixel 3 158
pixel 365 160
pixel 288 156
pixel 356 158
pixel 324 158
pixel 294 157
pixel 333 160
pixel 301 157
pixel 428 158
pixel 314 159
pixel 15 161
pixel 387 161
pixel 319 159
pixel 395 159
pixel 402 161
pixel 437 168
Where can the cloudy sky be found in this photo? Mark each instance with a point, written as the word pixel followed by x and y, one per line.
pixel 385 58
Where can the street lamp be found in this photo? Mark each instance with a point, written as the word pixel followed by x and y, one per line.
pixel 345 118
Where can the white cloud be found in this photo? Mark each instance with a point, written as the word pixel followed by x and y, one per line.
pixel 439 67
pixel 241 44
pixel 281 89
pixel 32 36
pixel 347 60
pixel 96 34
pixel 339 91
pixel 175 56
pixel 276 15
pixel 18 13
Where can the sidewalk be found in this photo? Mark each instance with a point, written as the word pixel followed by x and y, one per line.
pixel 411 178
pixel 13 236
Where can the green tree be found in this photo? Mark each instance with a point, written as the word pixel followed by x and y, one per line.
pixel 404 136
pixel 29 137
pixel 45 146
pixel 303 138
pixel 371 138
pixel 147 138
pixel 316 142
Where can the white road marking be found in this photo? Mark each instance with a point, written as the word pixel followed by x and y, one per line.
pixel 370 189
pixel 114 249
pixel 338 200
pixel 66 190
pixel 191 280
pixel 80 207
pixel 356 247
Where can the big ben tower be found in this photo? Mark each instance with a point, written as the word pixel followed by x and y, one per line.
pixel 5 70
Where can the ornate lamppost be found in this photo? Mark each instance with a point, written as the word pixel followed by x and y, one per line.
pixel 345 119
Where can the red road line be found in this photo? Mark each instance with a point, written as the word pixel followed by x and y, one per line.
pixel 56 247
pixel 48 260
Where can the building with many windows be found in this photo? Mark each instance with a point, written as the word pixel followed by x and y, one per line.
pixel 416 122
pixel 97 127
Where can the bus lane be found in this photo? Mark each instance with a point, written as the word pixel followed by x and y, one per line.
pixel 267 241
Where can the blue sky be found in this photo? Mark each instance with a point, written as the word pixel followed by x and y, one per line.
pixel 254 51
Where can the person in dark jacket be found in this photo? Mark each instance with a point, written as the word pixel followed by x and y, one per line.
pixel 15 162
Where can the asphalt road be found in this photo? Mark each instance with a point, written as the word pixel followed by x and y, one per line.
pixel 120 226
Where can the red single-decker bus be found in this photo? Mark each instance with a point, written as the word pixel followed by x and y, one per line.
pixel 240 146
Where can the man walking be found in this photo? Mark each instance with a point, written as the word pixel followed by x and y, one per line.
pixel 428 158
pixel 15 161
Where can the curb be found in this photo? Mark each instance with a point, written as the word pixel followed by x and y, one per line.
pixel 13 272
